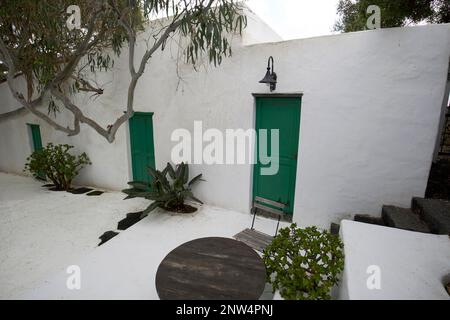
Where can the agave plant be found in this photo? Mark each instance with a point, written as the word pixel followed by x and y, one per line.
pixel 169 189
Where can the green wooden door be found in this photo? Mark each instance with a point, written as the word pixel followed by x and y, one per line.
pixel 36 141
pixel 142 147
pixel 282 114
pixel 35 136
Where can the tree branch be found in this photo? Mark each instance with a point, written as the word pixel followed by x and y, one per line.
pixel 90 41
pixel 86 85
pixel 20 98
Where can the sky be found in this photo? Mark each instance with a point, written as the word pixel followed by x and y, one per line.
pixel 294 19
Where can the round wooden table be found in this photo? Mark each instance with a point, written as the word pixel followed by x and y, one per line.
pixel 211 269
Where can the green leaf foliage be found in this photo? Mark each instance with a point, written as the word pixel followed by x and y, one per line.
pixel 36 34
pixel 394 13
pixel 55 163
pixel 304 264
pixel 169 188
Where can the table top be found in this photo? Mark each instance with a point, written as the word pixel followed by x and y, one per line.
pixel 211 269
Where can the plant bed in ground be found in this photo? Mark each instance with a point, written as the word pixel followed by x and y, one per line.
pixel 56 189
pixel 131 219
pixel 185 209
pixel 48 185
pixel 55 163
pixel 95 193
pixel 81 190
pixel 169 189
pixel 108 235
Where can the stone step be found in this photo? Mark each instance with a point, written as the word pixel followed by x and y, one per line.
pixel 402 218
pixel 365 218
pixel 436 213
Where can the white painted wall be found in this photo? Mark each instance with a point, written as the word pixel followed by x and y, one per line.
pixel 407 268
pixel 370 116
pixel 258 31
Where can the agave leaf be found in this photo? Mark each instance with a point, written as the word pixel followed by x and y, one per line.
pixel 139 185
pixel 165 184
pixel 194 180
pixel 190 195
pixel 186 174
pixel 160 178
pixel 179 182
pixel 178 169
pixel 195 199
pixel 152 196
pixel 152 172
pixel 151 207
pixel 130 191
pixel 169 170
pixel 167 197
pixel 138 194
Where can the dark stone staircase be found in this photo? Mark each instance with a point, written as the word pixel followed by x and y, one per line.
pixel 425 215
pixel 435 213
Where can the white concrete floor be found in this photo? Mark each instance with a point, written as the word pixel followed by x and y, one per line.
pixel 43 232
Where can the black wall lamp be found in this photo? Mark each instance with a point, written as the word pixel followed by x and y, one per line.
pixel 270 77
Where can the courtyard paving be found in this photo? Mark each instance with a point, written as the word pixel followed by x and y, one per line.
pixel 44 232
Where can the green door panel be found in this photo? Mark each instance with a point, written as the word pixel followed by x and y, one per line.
pixel 36 142
pixel 141 145
pixel 282 114
pixel 36 136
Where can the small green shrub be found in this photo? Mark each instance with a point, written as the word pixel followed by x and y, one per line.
pixel 169 189
pixel 55 163
pixel 304 264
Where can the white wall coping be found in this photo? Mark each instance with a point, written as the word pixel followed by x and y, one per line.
pixel 413 265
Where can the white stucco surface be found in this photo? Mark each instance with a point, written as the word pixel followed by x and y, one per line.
pixel 43 232
pixel 258 31
pixel 370 115
pixel 413 265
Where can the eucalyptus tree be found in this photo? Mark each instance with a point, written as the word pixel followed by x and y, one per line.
pixel 394 13
pixel 57 61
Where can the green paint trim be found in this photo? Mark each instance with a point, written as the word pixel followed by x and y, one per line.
pixel 277 95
